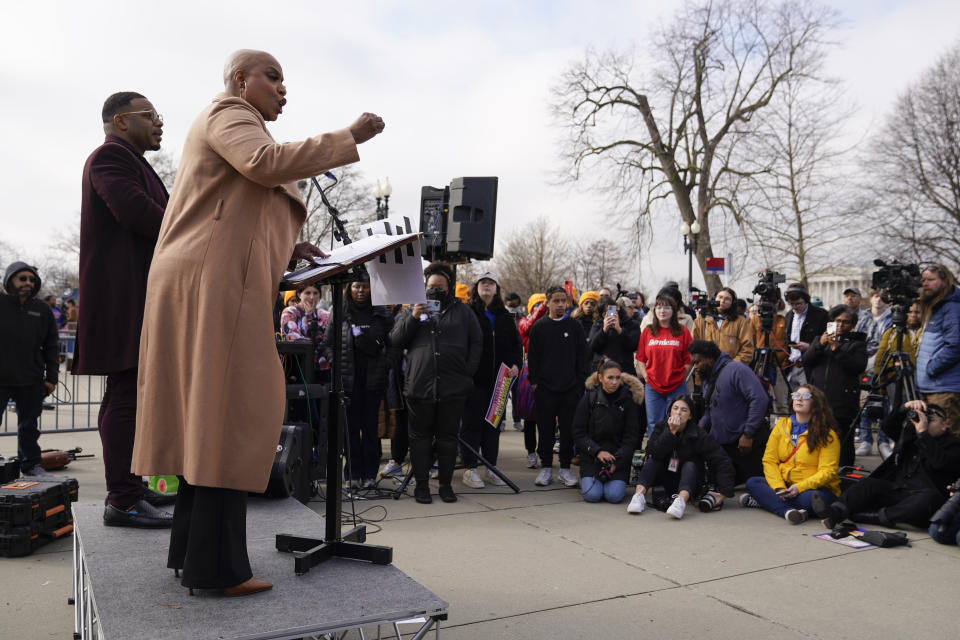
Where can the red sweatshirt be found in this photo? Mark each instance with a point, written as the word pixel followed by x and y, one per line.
pixel 664 357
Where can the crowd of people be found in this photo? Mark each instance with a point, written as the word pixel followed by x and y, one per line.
pixel 602 377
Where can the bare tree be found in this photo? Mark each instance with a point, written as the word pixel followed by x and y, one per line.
pixel 598 262
pixel 535 257
pixel 914 166
pixel 674 131
pixel 351 197
pixel 165 165
pixel 792 206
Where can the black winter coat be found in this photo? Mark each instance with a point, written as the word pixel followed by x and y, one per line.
pixel 619 347
pixel 442 353
pixel 813 327
pixel 606 423
pixel 837 373
pixel 693 443
pixel 919 460
pixel 501 344
pixel 28 336
pixel 370 343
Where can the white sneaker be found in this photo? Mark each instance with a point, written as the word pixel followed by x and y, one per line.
pixel 518 425
pixel 391 469
pixel 544 478
pixel 637 503
pixel 864 448
pixel 556 447
pixel 747 501
pixel 568 478
pixel 494 479
pixel 472 479
pixel 885 450
pixel 531 461
pixel 675 510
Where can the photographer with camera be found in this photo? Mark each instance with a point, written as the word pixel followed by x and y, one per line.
pixel 723 325
pixel 834 363
pixel 938 357
pixel 803 326
pixel 605 432
pixel 945 523
pixel 873 323
pixel 679 453
pixel 910 485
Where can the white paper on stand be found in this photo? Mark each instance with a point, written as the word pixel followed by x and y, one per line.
pixel 397 276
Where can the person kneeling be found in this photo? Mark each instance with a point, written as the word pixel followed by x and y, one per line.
pixel 677 454
pixel 605 430
pixel 800 461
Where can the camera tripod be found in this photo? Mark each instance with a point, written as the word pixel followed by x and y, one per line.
pixel 767 368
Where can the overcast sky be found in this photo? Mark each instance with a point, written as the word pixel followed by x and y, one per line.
pixel 463 88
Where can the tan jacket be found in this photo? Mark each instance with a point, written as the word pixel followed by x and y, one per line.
pixel 734 338
pixel 210 390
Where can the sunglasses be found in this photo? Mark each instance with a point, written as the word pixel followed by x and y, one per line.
pixel 797 395
pixel 152 114
pixel 26 279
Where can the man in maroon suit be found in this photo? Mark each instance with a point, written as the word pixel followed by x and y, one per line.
pixel 120 214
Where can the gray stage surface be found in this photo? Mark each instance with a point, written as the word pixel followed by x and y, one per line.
pixel 138 597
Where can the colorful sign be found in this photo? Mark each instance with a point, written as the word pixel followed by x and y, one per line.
pixel 498 401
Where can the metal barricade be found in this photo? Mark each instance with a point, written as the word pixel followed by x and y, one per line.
pixel 73 406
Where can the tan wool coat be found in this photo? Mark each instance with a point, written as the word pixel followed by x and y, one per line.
pixel 210 389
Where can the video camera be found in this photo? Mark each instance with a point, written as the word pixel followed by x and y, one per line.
pixel 702 303
pixel 899 283
pixel 769 294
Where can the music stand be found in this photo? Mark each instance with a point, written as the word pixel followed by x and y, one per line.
pixel 344 265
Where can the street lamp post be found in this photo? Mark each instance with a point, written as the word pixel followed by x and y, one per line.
pixel 690 233
pixel 382 195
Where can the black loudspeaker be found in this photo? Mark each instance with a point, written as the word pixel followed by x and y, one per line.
pixel 433 221
pixel 472 217
pixel 290 474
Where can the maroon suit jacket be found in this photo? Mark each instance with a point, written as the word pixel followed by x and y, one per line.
pixel 122 206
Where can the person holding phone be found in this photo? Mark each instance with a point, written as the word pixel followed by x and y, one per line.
pixel 834 363
pixel 614 334
pixel 803 325
pixel 800 460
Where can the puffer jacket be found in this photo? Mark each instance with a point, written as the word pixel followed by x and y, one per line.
pixel 367 342
pixel 28 335
pixel 837 373
pixel 806 469
pixel 938 357
pixel 443 352
pixel 608 423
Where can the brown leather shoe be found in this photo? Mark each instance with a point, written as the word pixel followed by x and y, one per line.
pixel 253 585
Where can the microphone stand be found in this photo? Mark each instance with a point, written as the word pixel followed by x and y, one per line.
pixel 309 552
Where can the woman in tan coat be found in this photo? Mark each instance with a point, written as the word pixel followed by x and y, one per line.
pixel 210 386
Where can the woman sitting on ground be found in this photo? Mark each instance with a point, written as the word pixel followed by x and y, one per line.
pixel 605 432
pixel 678 453
pixel 800 460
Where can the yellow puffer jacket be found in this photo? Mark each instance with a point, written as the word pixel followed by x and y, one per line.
pixel 808 470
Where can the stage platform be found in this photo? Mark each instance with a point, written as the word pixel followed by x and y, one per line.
pixel 124 590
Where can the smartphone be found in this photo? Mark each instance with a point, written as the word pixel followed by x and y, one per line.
pixel 831 328
pixel 432 305
pixel 782 492
pixel 611 310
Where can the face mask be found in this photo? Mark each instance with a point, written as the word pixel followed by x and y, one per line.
pixel 436 293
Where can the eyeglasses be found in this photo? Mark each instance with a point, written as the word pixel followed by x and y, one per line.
pixel 26 279
pixel 663 306
pixel 796 395
pixel 154 116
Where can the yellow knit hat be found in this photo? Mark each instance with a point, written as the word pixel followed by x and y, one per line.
pixel 533 300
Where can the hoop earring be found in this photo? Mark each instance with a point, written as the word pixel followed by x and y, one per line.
pixel 243 88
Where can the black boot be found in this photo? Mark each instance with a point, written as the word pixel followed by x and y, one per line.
pixel 871 517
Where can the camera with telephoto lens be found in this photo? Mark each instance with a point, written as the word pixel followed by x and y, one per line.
pixel 702 303
pixel 707 503
pixel 768 294
pixel 604 473
pixel 948 512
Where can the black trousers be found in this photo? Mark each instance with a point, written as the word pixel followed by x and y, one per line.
pixel 117 424
pixel 750 464
pixel 477 432
pixel 555 410
pixel 363 422
pixel 400 442
pixel 434 425
pixel 896 503
pixel 208 542
pixel 530 435
pixel 845 429
pixel 29 401
pixel 688 477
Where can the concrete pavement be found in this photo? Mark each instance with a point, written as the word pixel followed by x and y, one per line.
pixel 545 564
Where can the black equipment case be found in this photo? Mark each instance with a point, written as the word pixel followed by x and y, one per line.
pixel 34 511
